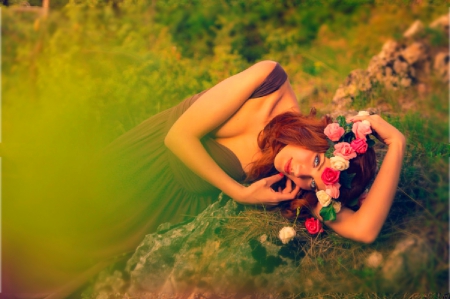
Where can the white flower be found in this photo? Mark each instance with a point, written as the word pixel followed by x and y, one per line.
pixel 374 260
pixel 363 113
pixel 323 198
pixel 286 234
pixel 337 206
pixel 366 122
pixel 263 238
pixel 339 163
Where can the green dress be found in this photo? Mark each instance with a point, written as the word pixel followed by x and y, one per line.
pixel 143 185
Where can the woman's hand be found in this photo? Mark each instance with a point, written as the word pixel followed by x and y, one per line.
pixel 384 131
pixel 260 192
pixel 288 188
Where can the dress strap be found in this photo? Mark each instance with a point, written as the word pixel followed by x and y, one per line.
pixel 272 83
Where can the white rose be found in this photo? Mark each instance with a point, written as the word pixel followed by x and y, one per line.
pixel 363 113
pixel 286 234
pixel 337 206
pixel 366 122
pixel 323 198
pixel 374 260
pixel 339 163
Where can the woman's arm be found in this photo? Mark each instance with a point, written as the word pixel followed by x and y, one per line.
pixel 211 110
pixel 365 224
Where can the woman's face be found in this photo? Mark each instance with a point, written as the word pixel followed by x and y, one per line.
pixel 304 167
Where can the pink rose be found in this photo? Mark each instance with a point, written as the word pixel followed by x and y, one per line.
pixel 334 132
pixel 359 145
pixel 361 130
pixel 313 226
pixel 330 176
pixel 333 190
pixel 344 150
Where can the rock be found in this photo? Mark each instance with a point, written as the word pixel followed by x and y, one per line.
pixel 109 283
pixel 414 53
pixel 416 28
pixel 397 65
pixel 422 89
pixel 357 81
pixel 440 65
pixel 401 67
pixel 389 50
pixel 405 82
pixel 198 258
pixel 409 257
pixel 441 23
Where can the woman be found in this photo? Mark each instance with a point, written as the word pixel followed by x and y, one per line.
pixel 237 122
pixel 173 165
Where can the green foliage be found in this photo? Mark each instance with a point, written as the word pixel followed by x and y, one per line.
pixel 196 24
pixel 328 213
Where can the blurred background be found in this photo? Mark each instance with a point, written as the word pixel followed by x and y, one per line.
pixel 80 73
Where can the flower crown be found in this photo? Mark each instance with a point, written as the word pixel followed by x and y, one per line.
pixel 346 141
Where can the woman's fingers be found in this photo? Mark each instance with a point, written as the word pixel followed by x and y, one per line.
pixel 288 187
pixel 381 129
pixel 269 181
pixel 289 192
pixel 264 194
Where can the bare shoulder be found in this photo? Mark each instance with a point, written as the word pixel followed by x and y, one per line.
pixel 260 70
pixel 265 66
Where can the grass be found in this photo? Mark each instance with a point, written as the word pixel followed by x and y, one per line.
pixel 83 92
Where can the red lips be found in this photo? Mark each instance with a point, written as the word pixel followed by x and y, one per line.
pixel 287 167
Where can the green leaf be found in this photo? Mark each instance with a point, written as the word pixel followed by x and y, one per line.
pixel 329 152
pixel 346 179
pixel 341 121
pixel 348 127
pixel 348 137
pixel 370 142
pixel 328 213
pixel 353 202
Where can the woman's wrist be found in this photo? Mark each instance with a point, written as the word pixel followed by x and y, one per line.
pixel 237 192
pixel 399 141
pixel 394 136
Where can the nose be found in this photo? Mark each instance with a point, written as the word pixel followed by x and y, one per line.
pixel 297 170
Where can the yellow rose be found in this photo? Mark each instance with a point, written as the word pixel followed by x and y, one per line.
pixel 323 198
pixel 339 163
pixel 337 206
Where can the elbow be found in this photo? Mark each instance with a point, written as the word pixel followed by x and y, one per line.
pixel 365 239
pixel 169 140
pixel 365 236
pixel 368 239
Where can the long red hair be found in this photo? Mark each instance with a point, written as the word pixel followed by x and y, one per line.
pixel 306 131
